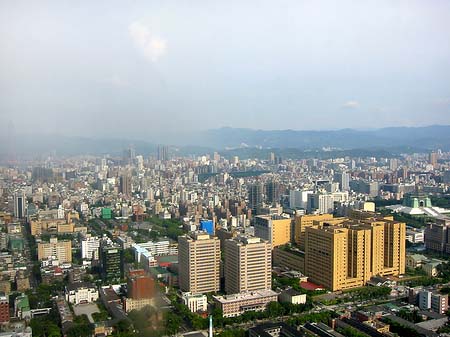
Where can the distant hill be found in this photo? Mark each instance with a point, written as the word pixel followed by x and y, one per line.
pixel 243 142
pixel 430 137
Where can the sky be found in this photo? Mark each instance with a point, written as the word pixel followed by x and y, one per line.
pixel 144 68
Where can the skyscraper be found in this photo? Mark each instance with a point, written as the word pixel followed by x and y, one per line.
pixel 162 153
pixel 199 263
pixel 273 192
pixel 20 205
pixel 434 159
pixel 255 197
pixel 125 185
pixel 248 264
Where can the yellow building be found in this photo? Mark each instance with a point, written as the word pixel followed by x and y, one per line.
pixel 51 225
pixel 289 258
pixel 347 255
pixel 62 250
pixel 304 221
pixel 273 228
pixel 199 263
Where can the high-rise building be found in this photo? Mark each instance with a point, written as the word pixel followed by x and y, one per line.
pixel 319 202
pixel 347 255
pixel 343 178
pixel 20 205
pixel 272 192
pixel 162 153
pixel 248 264
pixel 304 221
pixel 434 159
pixel 111 256
pixel 62 250
pixel 255 197
pixel 273 228
pixel 125 185
pixel 299 199
pixel 199 263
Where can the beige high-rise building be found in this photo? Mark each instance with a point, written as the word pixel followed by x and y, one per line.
pixel 248 264
pixel 199 263
pixel 304 221
pixel 273 228
pixel 347 255
pixel 62 250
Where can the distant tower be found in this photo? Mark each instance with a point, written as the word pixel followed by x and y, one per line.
pixel 125 185
pixel 434 159
pixel 162 153
pixel 343 178
pixel 19 205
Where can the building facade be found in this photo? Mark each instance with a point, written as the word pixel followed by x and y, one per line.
pixel 248 264
pixel 199 263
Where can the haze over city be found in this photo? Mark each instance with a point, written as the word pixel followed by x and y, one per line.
pixel 144 69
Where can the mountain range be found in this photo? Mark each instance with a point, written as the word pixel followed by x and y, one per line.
pixel 242 141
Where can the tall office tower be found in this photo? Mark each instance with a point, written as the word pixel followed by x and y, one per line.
pixel 20 205
pixel 304 221
pixel 434 159
pixel 162 153
pixel 272 158
pixel 255 197
pixel 199 263
pixel 273 228
pixel 343 178
pixel 62 250
pixel 248 264
pixel 112 261
pixel 272 192
pixel 125 185
pixel 322 203
pixel 140 285
pixel 347 255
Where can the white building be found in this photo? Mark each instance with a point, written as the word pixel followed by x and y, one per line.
pixel 424 299
pixel 90 248
pixel 195 302
pixel 298 199
pixel 292 296
pixel 82 292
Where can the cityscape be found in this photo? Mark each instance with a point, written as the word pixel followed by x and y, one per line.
pixel 224 169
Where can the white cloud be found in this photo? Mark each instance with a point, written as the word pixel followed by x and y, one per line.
pixel 351 105
pixel 153 47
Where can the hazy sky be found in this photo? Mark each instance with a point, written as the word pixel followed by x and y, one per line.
pixel 134 68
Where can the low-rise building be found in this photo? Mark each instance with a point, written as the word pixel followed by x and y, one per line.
pixel 81 292
pixel 195 302
pixel 236 304
pixel 292 296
